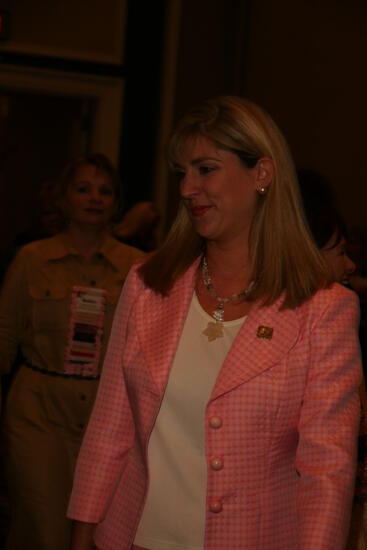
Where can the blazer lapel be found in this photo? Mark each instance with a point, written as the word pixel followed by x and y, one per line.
pixel 264 338
pixel 160 322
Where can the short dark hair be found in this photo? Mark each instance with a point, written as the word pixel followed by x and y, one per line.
pixel 320 207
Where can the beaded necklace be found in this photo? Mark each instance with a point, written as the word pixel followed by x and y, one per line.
pixel 215 330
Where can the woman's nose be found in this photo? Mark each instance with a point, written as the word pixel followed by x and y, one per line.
pixel 96 195
pixel 350 266
pixel 188 186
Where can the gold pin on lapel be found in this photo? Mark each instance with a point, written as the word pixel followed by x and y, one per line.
pixel 264 332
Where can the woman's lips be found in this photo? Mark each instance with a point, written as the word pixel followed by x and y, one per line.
pixel 198 211
pixel 94 210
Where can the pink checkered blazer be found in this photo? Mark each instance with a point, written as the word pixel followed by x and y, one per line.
pixel 288 413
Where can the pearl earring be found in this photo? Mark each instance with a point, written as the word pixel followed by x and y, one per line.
pixel 262 190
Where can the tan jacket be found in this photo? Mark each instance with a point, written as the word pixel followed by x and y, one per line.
pixel 45 416
pixel 35 299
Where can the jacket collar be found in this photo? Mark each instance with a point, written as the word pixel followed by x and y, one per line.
pixel 160 321
pixel 60 246
pixel 266 335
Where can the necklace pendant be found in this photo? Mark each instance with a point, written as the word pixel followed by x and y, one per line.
pixel 213 330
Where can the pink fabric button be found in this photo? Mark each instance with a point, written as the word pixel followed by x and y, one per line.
pixel 216 464
pixel 215 422
pixel 215 506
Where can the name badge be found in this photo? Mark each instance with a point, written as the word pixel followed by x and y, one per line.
pixel 83 349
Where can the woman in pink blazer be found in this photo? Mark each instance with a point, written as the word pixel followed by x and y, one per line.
pixel 227 413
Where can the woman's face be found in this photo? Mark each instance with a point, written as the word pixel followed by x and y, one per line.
pixel 90 198
pixel 336 256
pixel 218 190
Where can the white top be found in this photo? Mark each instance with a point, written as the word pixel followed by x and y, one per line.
pixel 174 513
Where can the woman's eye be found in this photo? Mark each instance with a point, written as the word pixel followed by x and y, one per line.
pixel 82 188
pixel 203 170
pixel 107 191
pixel 179 175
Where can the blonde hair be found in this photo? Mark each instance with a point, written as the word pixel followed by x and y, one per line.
pixel 284 258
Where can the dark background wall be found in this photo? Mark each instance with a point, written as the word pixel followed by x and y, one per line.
pixel 306 64
pixel 144 45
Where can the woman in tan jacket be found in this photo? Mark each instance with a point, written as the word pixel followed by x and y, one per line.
pixel 57 304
